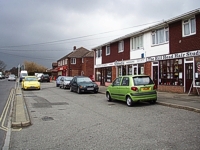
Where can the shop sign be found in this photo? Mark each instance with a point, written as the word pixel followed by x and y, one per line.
pixel 119 63
pixel 174 56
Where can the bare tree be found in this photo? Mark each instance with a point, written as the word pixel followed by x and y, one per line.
pixel 34 67
pixel 2 65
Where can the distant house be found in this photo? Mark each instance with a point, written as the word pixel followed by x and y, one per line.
pixel 78 62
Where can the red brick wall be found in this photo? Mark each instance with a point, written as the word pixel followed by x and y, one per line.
pixel 88 66
pixel 147 68
pixel 173 89
pixel 75 69
pixel 182 44
pixel 114 55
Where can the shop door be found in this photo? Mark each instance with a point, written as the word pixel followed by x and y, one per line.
pixel 135 70
pixel 103 77
pixel 155 75
pixel 188 75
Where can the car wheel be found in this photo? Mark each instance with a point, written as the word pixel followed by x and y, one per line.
pixel 129 101
pixel 152 102
pixel 70 89
pixel 108 96
pixel 78 91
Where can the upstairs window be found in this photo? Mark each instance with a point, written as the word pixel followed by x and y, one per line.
pixel 108 50
pixel 66 61
pixel 73 60
pixel 137 42
pixel 189 27
pixel 98 53
pixel 82 60
pixel 160 36
pixel 121 46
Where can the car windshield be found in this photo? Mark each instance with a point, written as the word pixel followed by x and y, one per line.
pixel 31 79
pixel 46 75
pixel 68 78
pixel 142 80
pixel 24 74
pixel 84 80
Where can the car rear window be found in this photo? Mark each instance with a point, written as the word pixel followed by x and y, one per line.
pixel 142 80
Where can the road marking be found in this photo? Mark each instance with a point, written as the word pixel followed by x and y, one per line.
pixel 5 110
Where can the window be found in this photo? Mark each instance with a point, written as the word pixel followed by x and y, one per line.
pixel 66 61
pixel 117 81
pixel 109 74
pixel 171 72
pixel 121 46
pixel 125 81
pixel 98 53
pixel 73 60
pixel 107 50
pixel 160 36
pixel 137 42
pixel 189 27
pixel 63 62
pixel 82 60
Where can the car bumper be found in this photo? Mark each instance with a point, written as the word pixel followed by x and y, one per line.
pixel 89 89
pixel 147 96
pixel 31 87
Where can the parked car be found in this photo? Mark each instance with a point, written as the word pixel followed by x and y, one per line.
pixel 132 88
pixel 30 82
pixel 58 81
pixel 1 76
pixel 65 82
pixel 45 78
pixel 81 84
pixel 38 75
pixel 11 77
pixel 23 74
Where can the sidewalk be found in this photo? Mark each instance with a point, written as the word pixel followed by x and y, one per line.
pixel 181 101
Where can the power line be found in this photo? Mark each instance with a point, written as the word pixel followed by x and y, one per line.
pixel 56 41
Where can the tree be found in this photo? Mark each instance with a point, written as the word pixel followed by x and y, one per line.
pixel 34 67
pixel 2 65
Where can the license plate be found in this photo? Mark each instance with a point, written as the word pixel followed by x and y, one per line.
pixel 145 89
pixel 32 86
pixel 90 88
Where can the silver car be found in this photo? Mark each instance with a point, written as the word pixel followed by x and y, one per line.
pixel 65 82
pixel 11 77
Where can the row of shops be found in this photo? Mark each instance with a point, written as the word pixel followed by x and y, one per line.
pixel 179 72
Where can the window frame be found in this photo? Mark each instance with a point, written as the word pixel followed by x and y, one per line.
pixel 73 60
pixel 136 45
pixel 107 50
pixel 158 37
pixel 120 46
pixel 189 23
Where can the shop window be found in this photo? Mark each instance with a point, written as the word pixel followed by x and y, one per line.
pixel 98 75
pixel 197 72
pixel 141 69
pixel 109 74
pixel 129 69
pixel 171 72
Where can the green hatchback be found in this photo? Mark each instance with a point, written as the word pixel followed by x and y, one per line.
pixel 132 88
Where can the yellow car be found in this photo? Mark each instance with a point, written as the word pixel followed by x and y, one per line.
pixel 30 82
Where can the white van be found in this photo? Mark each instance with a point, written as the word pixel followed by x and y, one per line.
pixel 23 73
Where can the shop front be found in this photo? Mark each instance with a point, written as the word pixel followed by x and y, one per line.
pixel 176 72
pixel 62 71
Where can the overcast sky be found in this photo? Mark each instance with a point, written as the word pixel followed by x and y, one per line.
pixel 44 31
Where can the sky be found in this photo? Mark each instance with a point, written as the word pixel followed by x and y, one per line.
pixel 43 31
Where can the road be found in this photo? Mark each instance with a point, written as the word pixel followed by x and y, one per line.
pixel 5 88
pixel 65 120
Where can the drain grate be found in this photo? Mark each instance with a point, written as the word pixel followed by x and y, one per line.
pixel 46 118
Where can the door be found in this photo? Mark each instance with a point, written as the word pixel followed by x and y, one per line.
pixel 135 70
pixel 124 88
pixel 188 75
pixel 155 75
pixel 114 89
pixel 103 73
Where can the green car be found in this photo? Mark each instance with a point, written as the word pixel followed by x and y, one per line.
pixel 132 88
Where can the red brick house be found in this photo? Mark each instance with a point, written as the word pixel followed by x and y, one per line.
pixel 78 62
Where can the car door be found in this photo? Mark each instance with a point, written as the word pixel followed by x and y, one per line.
pixel 74 84
pixel 61 81
pixel 114 89
pixel 124 88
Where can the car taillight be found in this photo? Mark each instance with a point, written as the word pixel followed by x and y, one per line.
pixel 134 88
pixel 154 87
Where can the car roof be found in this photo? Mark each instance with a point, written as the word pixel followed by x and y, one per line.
pixel 141 75
pixel 30 76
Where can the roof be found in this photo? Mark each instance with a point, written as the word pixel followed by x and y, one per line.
pixel 66 56
pixel 78 53
pixel 89 54
pixel 159 25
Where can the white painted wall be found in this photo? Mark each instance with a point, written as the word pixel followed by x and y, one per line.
pixel 149 50
pixel 98 60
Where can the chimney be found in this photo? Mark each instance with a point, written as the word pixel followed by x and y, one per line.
pixel 74 47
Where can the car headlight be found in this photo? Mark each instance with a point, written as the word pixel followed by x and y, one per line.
pixel 95 85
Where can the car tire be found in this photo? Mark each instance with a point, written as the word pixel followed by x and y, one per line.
pixel 152 102
pixel 70 89
pixel 78 91
pixel 108 96
pixel 129 101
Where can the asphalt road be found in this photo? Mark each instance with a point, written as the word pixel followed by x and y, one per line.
pixel 65 120
pixel 5 88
